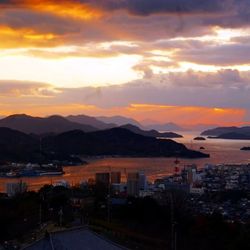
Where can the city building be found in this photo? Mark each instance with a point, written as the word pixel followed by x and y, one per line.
pixel 103 178
pixel 142 181
pixel 16 188
pixel 133 185
pixel 61 183
pixel 196 190
pixel 115 177
pixel 119 188
pixel 191 171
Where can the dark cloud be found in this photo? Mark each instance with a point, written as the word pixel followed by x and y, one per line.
pixel 131 20
pixel 226 13
pixel 144 7
pixel 148 7
pixel 174 18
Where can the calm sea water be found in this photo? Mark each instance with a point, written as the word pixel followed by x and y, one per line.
pixel 221 151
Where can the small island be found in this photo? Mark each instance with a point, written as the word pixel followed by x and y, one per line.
pixel 199 138
pixel 245 148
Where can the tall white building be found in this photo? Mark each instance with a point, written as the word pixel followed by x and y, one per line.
pixel 133 186
pixel 142 181
pixel 191 173
pixel 14 188
pixel 136 182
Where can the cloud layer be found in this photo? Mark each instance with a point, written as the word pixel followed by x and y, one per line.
pixel 189 97
pixel 162 57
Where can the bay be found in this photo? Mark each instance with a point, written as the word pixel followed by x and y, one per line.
pixel 221 151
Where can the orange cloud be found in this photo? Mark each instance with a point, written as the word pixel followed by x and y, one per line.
pixel 41 32
pixel 64 8
pixel 25 37
pixel 45 109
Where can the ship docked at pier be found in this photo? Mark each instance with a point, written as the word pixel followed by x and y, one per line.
pixel 33 170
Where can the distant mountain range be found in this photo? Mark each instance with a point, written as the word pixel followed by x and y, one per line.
pixel 241 133
pixel 119 120
pixel 58 124
pixel 91 121
pixel 150 133
pixel 200 127
pixel 170 126
pixel 18 146
pixel 38 125
pixel 219 130
pixel 233 136
pixel 166 127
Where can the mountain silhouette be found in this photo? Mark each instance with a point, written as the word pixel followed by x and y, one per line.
pixel 151 133
pixel 119 120
pixel 18 146
pixel 91 121
pixel 229 132
pixel 38 125
pixel 116 142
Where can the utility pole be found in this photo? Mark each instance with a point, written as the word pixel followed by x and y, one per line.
pixel 109 196
pixel 173 224
pixel 40 144
pixel 40 151
pixel 60 217
pixel 40 215
pixel 40 210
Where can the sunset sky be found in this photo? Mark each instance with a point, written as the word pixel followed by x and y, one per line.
pixel 183 61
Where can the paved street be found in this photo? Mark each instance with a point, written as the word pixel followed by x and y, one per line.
pixel 81 239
